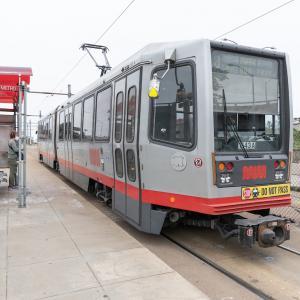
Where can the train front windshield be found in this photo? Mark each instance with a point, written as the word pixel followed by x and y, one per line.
pixel 246 98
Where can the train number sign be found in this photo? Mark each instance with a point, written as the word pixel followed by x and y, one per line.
pixel 198 162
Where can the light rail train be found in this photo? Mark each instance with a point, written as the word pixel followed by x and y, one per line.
pixel 194 132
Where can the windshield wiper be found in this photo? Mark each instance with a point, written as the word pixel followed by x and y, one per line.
pixel 233 127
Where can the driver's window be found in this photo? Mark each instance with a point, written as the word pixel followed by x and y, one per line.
pixel 172 113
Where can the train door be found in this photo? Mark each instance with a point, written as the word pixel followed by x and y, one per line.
pixel 120 183
pixel 127 180
pixel 68 146
pixel 60 143
pixel 46 156
pixel 50 144
pixel 130 143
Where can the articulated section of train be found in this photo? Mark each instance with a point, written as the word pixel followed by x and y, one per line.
pixel 193 132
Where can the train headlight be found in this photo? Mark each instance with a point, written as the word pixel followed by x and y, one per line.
pixel 279 175
pixel 225 178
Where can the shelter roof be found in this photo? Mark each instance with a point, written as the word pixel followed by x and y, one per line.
pixel 9 82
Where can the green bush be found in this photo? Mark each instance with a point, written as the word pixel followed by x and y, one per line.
pixel 296 139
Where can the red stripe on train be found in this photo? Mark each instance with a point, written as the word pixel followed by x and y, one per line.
pixel 213 206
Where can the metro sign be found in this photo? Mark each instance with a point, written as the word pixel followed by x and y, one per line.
pixel 9 88
pixel 10 77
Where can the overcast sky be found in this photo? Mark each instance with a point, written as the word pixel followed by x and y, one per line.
pixel 46 35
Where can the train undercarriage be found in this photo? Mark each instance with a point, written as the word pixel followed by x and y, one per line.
pixel 249 227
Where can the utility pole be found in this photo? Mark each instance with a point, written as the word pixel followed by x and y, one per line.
pixel 30 139
pixel 69 91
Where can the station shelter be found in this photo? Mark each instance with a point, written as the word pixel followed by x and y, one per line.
pixel 14 83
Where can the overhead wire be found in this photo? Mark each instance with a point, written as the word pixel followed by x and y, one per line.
pixel 255 19
pixel 127 7
pixel 83 56
pixel 130 4
pixel 98 39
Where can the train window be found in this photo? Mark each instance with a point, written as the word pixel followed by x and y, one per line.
pixel 69 126
pixel 119 163
pixel 131 109
pixel 46 128
pixel 246 93
pixel 66 126
pixel 172 114
pixel 119 117
pixel 88 109
pixel 41 133
pixel 50 129
pixel 77 121
pixel 43 130
pixel 61 125
pixel 103 112
pixel 131 170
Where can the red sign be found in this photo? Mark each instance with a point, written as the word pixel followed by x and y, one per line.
pixel 9 88
pixel 247 193
pixel 254 172
pixel 9 82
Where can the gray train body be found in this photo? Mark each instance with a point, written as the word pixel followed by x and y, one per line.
pixel 156 157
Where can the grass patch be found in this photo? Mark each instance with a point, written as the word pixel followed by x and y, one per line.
pixel 296 139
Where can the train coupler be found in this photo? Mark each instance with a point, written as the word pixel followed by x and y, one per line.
pixel 268 231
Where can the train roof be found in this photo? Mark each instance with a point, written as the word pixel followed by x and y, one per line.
pixel 154 53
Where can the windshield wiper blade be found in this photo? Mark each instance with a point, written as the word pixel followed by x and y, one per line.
pixel 233 127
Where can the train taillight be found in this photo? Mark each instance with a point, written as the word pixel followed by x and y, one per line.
pixel 276 164
pixel 279 164
pixel 225 166
pixel 221 167
pixel 229 166
pixel 282 164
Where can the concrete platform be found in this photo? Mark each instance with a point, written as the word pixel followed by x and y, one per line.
pixel 62 247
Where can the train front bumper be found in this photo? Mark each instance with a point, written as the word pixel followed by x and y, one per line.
pixel 268 231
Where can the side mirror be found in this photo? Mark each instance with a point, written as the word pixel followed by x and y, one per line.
pixel 153 92
pixel 170 58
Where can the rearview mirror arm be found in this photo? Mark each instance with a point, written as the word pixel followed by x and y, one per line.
pixel 169 65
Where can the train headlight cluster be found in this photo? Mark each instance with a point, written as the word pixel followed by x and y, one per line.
pixel 279 164
pixel 225 178
pixel 225 170
pixel 223 167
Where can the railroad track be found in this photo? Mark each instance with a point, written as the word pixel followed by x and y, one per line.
pixel 291 250
pixel 240 281
pixel 219 268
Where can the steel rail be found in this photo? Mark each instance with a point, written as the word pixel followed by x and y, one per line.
pixel 219 268
pixel 291 250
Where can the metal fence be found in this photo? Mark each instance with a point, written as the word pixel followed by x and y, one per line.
pixel 292 212
pixel 295 184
